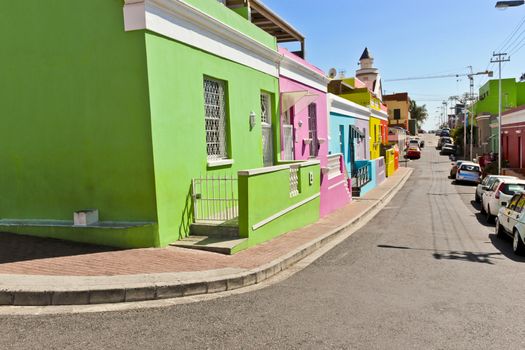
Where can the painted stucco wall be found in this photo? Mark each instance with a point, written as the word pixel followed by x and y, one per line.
pixel 75 130
pixel 235 20
pixel 489 96
pixel 176 73
pixel 403 106
pixel 262 196
pixel 300 117
pixel 364 149
pixel 338 121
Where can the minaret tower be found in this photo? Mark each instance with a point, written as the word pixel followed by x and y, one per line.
pixel 368 74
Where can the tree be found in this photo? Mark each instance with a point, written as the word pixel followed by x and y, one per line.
pixel 419 113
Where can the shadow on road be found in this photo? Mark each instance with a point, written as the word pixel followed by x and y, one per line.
pixel 14 248
pixel 463 184
pixel 504 245
pixel 477 257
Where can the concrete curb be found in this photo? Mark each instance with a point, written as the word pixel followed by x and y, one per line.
pixel 172 286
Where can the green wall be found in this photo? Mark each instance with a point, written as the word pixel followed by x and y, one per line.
pixel 176 73
pixel 232 18
pixel 489 96
pixel 520 91
pixel 75 130
pixel 264 195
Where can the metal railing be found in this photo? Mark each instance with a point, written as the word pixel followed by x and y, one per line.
pixel 361 176
pixel 215 198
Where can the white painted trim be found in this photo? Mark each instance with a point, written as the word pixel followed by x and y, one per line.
pixel 379 114
pixel 343 106
pixel 271 169
pixel 284 212
pixel 294 70
pixel 513 118
pixel 220 162
pixel 178 20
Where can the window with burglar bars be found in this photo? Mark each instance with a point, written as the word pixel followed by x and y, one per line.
pixel 312 127
pixel 215 118
pixel 266 110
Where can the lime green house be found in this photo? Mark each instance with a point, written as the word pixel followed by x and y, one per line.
pixel 131 123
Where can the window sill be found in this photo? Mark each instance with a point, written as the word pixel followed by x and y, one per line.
pixel 219 162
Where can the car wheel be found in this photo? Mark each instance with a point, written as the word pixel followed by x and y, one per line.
pixel 483 209
pixel 517 244
pixel 490 217
pixel 499 230
pixel 477 199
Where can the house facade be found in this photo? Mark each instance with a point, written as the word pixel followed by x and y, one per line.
pixel 304 127
pixel 486 110
pixel 151 115
pixel 398 109
pixel 513 138
pixel 349 124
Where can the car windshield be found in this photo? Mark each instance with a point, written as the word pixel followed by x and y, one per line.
pixel 468 167
pixel 513 188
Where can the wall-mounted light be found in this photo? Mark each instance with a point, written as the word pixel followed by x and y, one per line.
pixel 252 120
pixel 300 123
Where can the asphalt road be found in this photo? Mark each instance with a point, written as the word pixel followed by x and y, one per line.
pixel 426 273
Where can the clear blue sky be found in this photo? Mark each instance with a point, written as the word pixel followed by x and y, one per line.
pixel 408 38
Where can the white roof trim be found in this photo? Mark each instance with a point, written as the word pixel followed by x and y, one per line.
pixel 178 20
pixel 343 106
pixel 514 117
pixel 379 114
pixel 296 71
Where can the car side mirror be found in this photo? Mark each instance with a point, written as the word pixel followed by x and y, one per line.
pixel 485 188
pixel 504 204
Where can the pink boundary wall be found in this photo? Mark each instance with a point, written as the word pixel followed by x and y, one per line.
pixel 335 192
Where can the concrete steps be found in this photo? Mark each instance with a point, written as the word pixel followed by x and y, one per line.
pixel 222 245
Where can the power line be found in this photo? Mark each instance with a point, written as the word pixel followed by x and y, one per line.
pixel 509 38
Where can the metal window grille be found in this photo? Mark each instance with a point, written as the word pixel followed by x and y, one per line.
pixel 294 181
pixel 288 142
pixel 267 131
pixel 215 198
pixel 312 127
pixel 266 109
pixel 215 118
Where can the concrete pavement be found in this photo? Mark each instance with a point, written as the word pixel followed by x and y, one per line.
pixel 97 276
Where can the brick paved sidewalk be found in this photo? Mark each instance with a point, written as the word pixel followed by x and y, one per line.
pixel 20 255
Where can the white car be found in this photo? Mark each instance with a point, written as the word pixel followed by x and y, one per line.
pixel 486 183
pixel 501 191
pixel 511 221
pixel 468 172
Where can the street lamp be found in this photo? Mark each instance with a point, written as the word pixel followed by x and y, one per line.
pixel 506 4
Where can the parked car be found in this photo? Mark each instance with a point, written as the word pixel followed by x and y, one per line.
pixel 511 221
pixel 445 133
pixel 469 172
pixel 448 149
pixel 444 140
pixel 501 191
pixel 454 169
pixel 486 184
pixel 413 152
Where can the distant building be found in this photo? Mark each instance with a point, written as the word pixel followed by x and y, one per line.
pixel 398 109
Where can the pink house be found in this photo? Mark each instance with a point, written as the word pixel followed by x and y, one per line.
pixel 304 127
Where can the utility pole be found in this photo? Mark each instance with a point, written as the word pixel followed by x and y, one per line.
pixel 500 59
pixel 471 98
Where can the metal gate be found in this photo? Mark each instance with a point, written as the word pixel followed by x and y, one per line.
pixel 215 198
